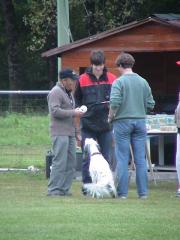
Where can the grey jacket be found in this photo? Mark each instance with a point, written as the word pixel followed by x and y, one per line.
pixel 61 110
pixel 177 114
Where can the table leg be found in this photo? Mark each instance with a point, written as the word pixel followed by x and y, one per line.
pixel 148 156
pixel 161 150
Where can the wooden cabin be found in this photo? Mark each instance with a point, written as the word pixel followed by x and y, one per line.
pixel 155 44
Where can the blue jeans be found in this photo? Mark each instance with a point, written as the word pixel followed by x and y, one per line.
pixel 104 140
pixel 126 132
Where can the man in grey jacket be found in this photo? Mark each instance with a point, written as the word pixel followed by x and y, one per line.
pixel 63 133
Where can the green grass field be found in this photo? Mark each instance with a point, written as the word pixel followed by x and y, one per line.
pixel 27 213
pixel 24 140
pixel 24 129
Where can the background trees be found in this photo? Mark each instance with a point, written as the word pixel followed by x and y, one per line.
pixel 10 41
pixel 30 36
pixel 29 27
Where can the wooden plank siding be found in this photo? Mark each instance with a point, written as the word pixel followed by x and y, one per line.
pixel 134 28
pixel 150 37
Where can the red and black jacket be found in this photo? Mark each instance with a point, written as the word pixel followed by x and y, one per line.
pixel 93 92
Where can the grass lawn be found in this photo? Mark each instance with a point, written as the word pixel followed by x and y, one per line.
pixel 24 140
pixel 24 129
pixel 27 213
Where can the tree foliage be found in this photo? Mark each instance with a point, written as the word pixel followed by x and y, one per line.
pixel 101 15
pixel 41 20
pixel 35 26
pixel 13 55
pixel 34 70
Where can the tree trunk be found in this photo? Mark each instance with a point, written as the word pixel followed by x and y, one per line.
pixel 14 65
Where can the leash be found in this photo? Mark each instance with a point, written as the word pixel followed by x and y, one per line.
pixel 95 153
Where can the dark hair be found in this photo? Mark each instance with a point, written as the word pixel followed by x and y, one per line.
pixel 97 57
pixel 125 60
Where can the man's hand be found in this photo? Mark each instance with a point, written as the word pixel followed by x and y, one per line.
pixel 109 119
pixel 78 112
pixel 78 139
pixel 111 115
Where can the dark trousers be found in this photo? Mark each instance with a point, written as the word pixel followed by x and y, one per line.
pixel 104 140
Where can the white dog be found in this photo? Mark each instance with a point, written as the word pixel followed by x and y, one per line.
pixel 102 179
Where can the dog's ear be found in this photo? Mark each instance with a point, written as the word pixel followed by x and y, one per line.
pixel 87 141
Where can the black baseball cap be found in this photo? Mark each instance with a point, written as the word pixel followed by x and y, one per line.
pixel 68 73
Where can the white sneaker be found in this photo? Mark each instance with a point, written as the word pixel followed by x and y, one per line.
pixel 122 197
pixel 144 197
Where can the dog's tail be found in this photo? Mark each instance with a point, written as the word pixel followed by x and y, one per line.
pixel 99 191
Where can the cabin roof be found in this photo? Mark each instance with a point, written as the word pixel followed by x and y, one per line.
pixel 171 20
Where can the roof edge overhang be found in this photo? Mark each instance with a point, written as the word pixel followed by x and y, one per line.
pixel 79 43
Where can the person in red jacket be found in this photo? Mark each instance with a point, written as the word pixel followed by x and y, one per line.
pixel 93 90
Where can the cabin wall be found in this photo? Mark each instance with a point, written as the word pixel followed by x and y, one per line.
pixel 156 48
pixel 79 59
pixel 150 37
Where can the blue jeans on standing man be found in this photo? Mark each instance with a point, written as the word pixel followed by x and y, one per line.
pixel 126 132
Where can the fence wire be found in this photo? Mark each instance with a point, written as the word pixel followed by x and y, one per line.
pixel 24 123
